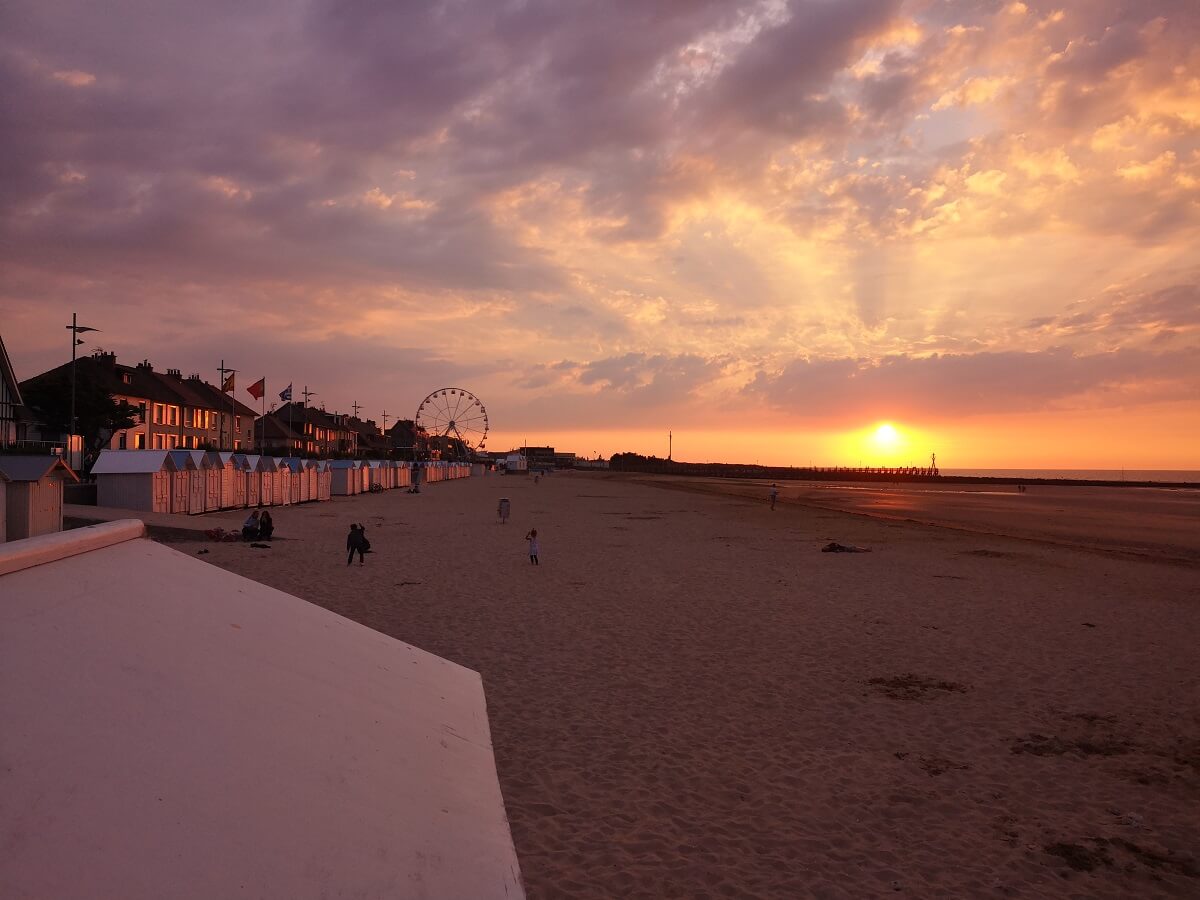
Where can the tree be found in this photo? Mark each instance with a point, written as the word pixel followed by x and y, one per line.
pixel 97 414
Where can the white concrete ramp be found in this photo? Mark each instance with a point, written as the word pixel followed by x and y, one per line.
pixel 170 729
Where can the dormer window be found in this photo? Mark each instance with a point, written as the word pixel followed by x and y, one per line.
pixel 125 378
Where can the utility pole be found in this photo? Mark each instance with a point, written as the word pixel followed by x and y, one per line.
pixel 224 371
pixel 354 406
pixel 75 329
pixel 670 445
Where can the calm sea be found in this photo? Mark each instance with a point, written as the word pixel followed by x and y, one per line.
pixel 1186 476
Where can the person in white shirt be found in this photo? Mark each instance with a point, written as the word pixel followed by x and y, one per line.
pixel 533 546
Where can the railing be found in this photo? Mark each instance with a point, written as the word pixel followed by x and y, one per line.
pixel 35 448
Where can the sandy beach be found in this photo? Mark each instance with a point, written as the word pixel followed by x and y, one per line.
pixel 688 699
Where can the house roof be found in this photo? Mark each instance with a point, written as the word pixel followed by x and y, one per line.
pixel 131 462
pixel 199 698
pixel 270 427
pixel 34 468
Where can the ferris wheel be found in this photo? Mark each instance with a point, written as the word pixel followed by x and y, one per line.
pixel 454 417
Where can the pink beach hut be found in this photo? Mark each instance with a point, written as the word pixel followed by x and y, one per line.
pixel 139 480
pixel 203 747
pixel 324 480
pixel 187 472
pixel 281 483
pixel 33 495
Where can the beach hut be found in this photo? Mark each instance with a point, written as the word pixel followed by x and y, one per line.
pixel 344 477
pixel 202 745
pixel 281 483
pixel 188 472
pixel 228 474
pixel 324 480
pixel 364 476
pixel 33 494
pixel 141 480
pixel 296 482
pixel 3 513
pixel 264 472
pixel 306 478
pixel 403 474
pixel 374 470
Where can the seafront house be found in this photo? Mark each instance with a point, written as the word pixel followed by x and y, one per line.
pixel 172 412
pixel 320 433
pixel 12 424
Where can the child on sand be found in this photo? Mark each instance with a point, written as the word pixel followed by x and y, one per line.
pixel 774 494
pixel 533 546
pixel 502 510
pixel 356 540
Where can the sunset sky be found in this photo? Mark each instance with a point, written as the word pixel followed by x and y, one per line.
pixel 765 226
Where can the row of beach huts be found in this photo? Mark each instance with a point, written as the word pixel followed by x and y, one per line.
pixel 200 481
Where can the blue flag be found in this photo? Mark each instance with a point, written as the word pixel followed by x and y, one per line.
pixel 286 393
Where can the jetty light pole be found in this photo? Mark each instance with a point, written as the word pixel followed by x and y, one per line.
pixel 76 329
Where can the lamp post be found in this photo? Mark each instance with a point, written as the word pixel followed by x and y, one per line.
pixel 76 329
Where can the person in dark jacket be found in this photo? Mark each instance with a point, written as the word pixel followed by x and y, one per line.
pixel 266 527
pixel 356 540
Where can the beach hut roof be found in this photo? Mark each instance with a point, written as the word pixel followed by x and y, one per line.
pixel 33 468
pixel 131 462
pixel 343 464
pixel 297 463
pixel 183 459
pixel 201 697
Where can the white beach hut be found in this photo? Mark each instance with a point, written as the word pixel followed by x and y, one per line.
pixel 203 775
pixel 141 480
pixel 374 470
pixel 33 495
pixel 306 478
pixel 403 474
pixel 296 483
pixel 3 509
pixel 248 464
pixel 227 476
pixel 344 477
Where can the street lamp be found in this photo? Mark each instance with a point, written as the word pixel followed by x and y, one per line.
pixel 76 329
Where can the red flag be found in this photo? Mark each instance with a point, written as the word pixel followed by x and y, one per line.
pixel 228 385
pixel 257 389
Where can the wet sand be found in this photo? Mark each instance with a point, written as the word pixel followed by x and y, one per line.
pixel 689 699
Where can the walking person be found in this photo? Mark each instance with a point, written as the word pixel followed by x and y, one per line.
pixel 356 540
pixel 774 494
pixel 533 546
pixel 503 510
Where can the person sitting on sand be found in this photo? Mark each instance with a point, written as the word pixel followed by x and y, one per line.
pixel 356 540
pixel 251 527
pixel 266 526
pixel 533 546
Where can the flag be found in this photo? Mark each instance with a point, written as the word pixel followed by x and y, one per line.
pixel 257 389
pixel 286 393
pixel 228 385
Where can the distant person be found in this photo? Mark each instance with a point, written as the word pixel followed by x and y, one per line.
pixel 533 546
pixel 356 542
pixel 503 510
pixel 250 528
pixel 266 526
pixel 536 476
pixel 774 494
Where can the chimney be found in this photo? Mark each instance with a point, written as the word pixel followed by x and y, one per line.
pixel 174 373
pixel 145 364
pixel 109 359
pixel 195 376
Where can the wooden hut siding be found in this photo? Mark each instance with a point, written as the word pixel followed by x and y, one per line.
pixel 3 512
pixel 33 495
pixel 344 478
pixel 142 491
pixel 325 482
pixel 281 484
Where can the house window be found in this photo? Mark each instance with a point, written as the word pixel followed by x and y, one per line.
pixel 139 441
pixel 237 445
pixel 141 412
pixel 173 415
pixel 237 423
pixel 158 442
pixel 187 416
pixel 121 441
pixel 125 379
pixel 158 413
